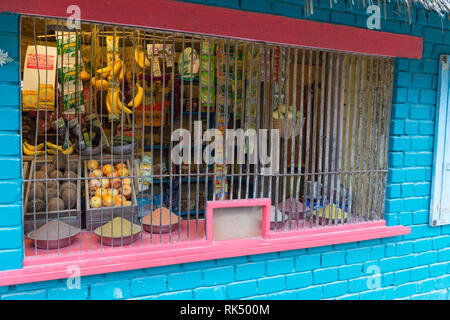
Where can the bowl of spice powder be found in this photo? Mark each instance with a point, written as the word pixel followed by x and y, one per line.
pixel 118 232
pixel 53 235
pixel 161 220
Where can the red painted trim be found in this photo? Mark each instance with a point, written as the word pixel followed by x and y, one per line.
pixel 201 19
pixel 137 257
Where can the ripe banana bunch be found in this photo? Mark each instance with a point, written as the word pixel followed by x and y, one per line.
pixel 141 58
pixel 114 69
pixel 137 101
pixel 31 150
pixel 114 102
pixel 84 75
pixel 53 149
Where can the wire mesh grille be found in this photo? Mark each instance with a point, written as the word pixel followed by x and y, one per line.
pixel 128 132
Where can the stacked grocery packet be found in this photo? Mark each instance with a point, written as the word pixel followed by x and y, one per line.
pixel 69 67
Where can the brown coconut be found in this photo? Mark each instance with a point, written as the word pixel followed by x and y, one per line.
pixel 53 204
pixel 73 198
pixel 37 205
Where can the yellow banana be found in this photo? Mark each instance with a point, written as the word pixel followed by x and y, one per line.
pixel 84 75
pixel 115 98
pixel 30 147
pixel 101 84
pixel 55 147
pixel 51 151
pixel 105 71
pixel 29 152
pixel 122 107
pixel 141 58
pixel 121 72
pixel 108 101
pixel 137 101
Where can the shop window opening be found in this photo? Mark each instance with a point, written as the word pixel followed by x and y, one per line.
pixel 129 132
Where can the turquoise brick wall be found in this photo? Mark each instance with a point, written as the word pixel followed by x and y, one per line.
pixel 415 266
pixel 10 152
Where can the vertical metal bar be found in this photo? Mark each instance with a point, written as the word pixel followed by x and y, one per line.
pixel 285 140
pixel 300 148
pixel 243 106
pixel 278 102
pixel 331 73
pixel 314 133
pixel 308 140
pixel 210 74
pixel 321 191
pixel 350 84
pixel 151 137
pixel 293 140
pixel 341 145
pixel 257 111
pixel 181 127
pixel 163 114
pixel 199 113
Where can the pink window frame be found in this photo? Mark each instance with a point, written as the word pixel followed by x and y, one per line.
pixel 215 21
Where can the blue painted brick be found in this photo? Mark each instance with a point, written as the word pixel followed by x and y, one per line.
pixel 29 295
pixel 307 262
pixel 198 265
pixel 177 295
pixel 263 257
pixel 396 159
pixel 256 5
pixel 421 217
pixel 394 205
pixel 67 294
pixel 424 158
pixel 390 250
pixel 405 218
pixel 371 295
pixel 400 95
pixel 428 96
pixel 426 127
pixel 148 285
pixel 354 296
pixel 415 174
pixel 400 111
pixel 9 94
pixel 389 264
pixel 408 261
pixel 402 143
pixel 420 112
pixel 287 9
pixel 401 277
pixel 422 80
pixel 423 245
pixel 404 248
pixel 359 284
pixel 10 144
pixel 426 285
pixel 403 64
pixel 358 255
pixel 377 252
pixel 210 293
pixel 341 17
pixel 411 127
pixel 444 254
pixel 11 259
pixel 271 284
pixel 443 282
pixel 421 143
pixel 413 95
pixel 403 79
pixel 184 280
pixel 9 22
pixel 334 289
pixel 441 242
pixel 236 260
pixel 220 275
pixel 438 295
pixel 422 296
pixel 428 257
pixel 419 273
pixel 110 290
pixel 325 275
pixel 405 290
pixel 298 280
pixel 11 237
pixel 11 191
pixel 36 285
pixel 292 253
pixel 432 34
pixel 241 289
pixel 332 259
pixel 416 232
pixel 11 215
pixel 163 269
pixel 284 295
pixel 350 271
pixel 280 266
pixel 389 293
pixel 397 127
pixel 408 189
pixel 393 191
pixel 422 188
pixel 396 175
pixel 428 231
pixel 438 269
pixel 250 270
pixel 311 293
pixel 387 279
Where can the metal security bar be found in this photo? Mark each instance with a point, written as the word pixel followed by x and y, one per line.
pixel 129 132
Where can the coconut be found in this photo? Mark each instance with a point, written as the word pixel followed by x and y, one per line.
pixel 47 166
pixel 70 174
pixel 60 162
pixel 52 184
pixel 53 204
pixel 40 175
pixel 36 192
pixel 51 193
pixel 37 205
pixel 65 186
pixel 73 198
pixel 71 165
pixel 55 173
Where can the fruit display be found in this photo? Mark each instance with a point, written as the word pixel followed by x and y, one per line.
pixel 108 185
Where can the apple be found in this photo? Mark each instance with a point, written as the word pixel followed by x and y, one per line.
pixel 105 183
pixel 126 181
pixel 120 166
pixel 116 183
pixel 96 202
pixel 92 164
pixel 100 192
pixel 94 184
pixel 107 200
pixel 107 168
pixel 126 191
pixel 122 172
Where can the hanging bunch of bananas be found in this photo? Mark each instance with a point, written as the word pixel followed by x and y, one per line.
pixel 141 58
pixel 38 150
pixel 103 76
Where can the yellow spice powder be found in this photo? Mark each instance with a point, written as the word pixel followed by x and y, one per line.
pixel 118 227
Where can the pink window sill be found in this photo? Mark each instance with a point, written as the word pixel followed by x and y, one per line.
pixel 98 260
